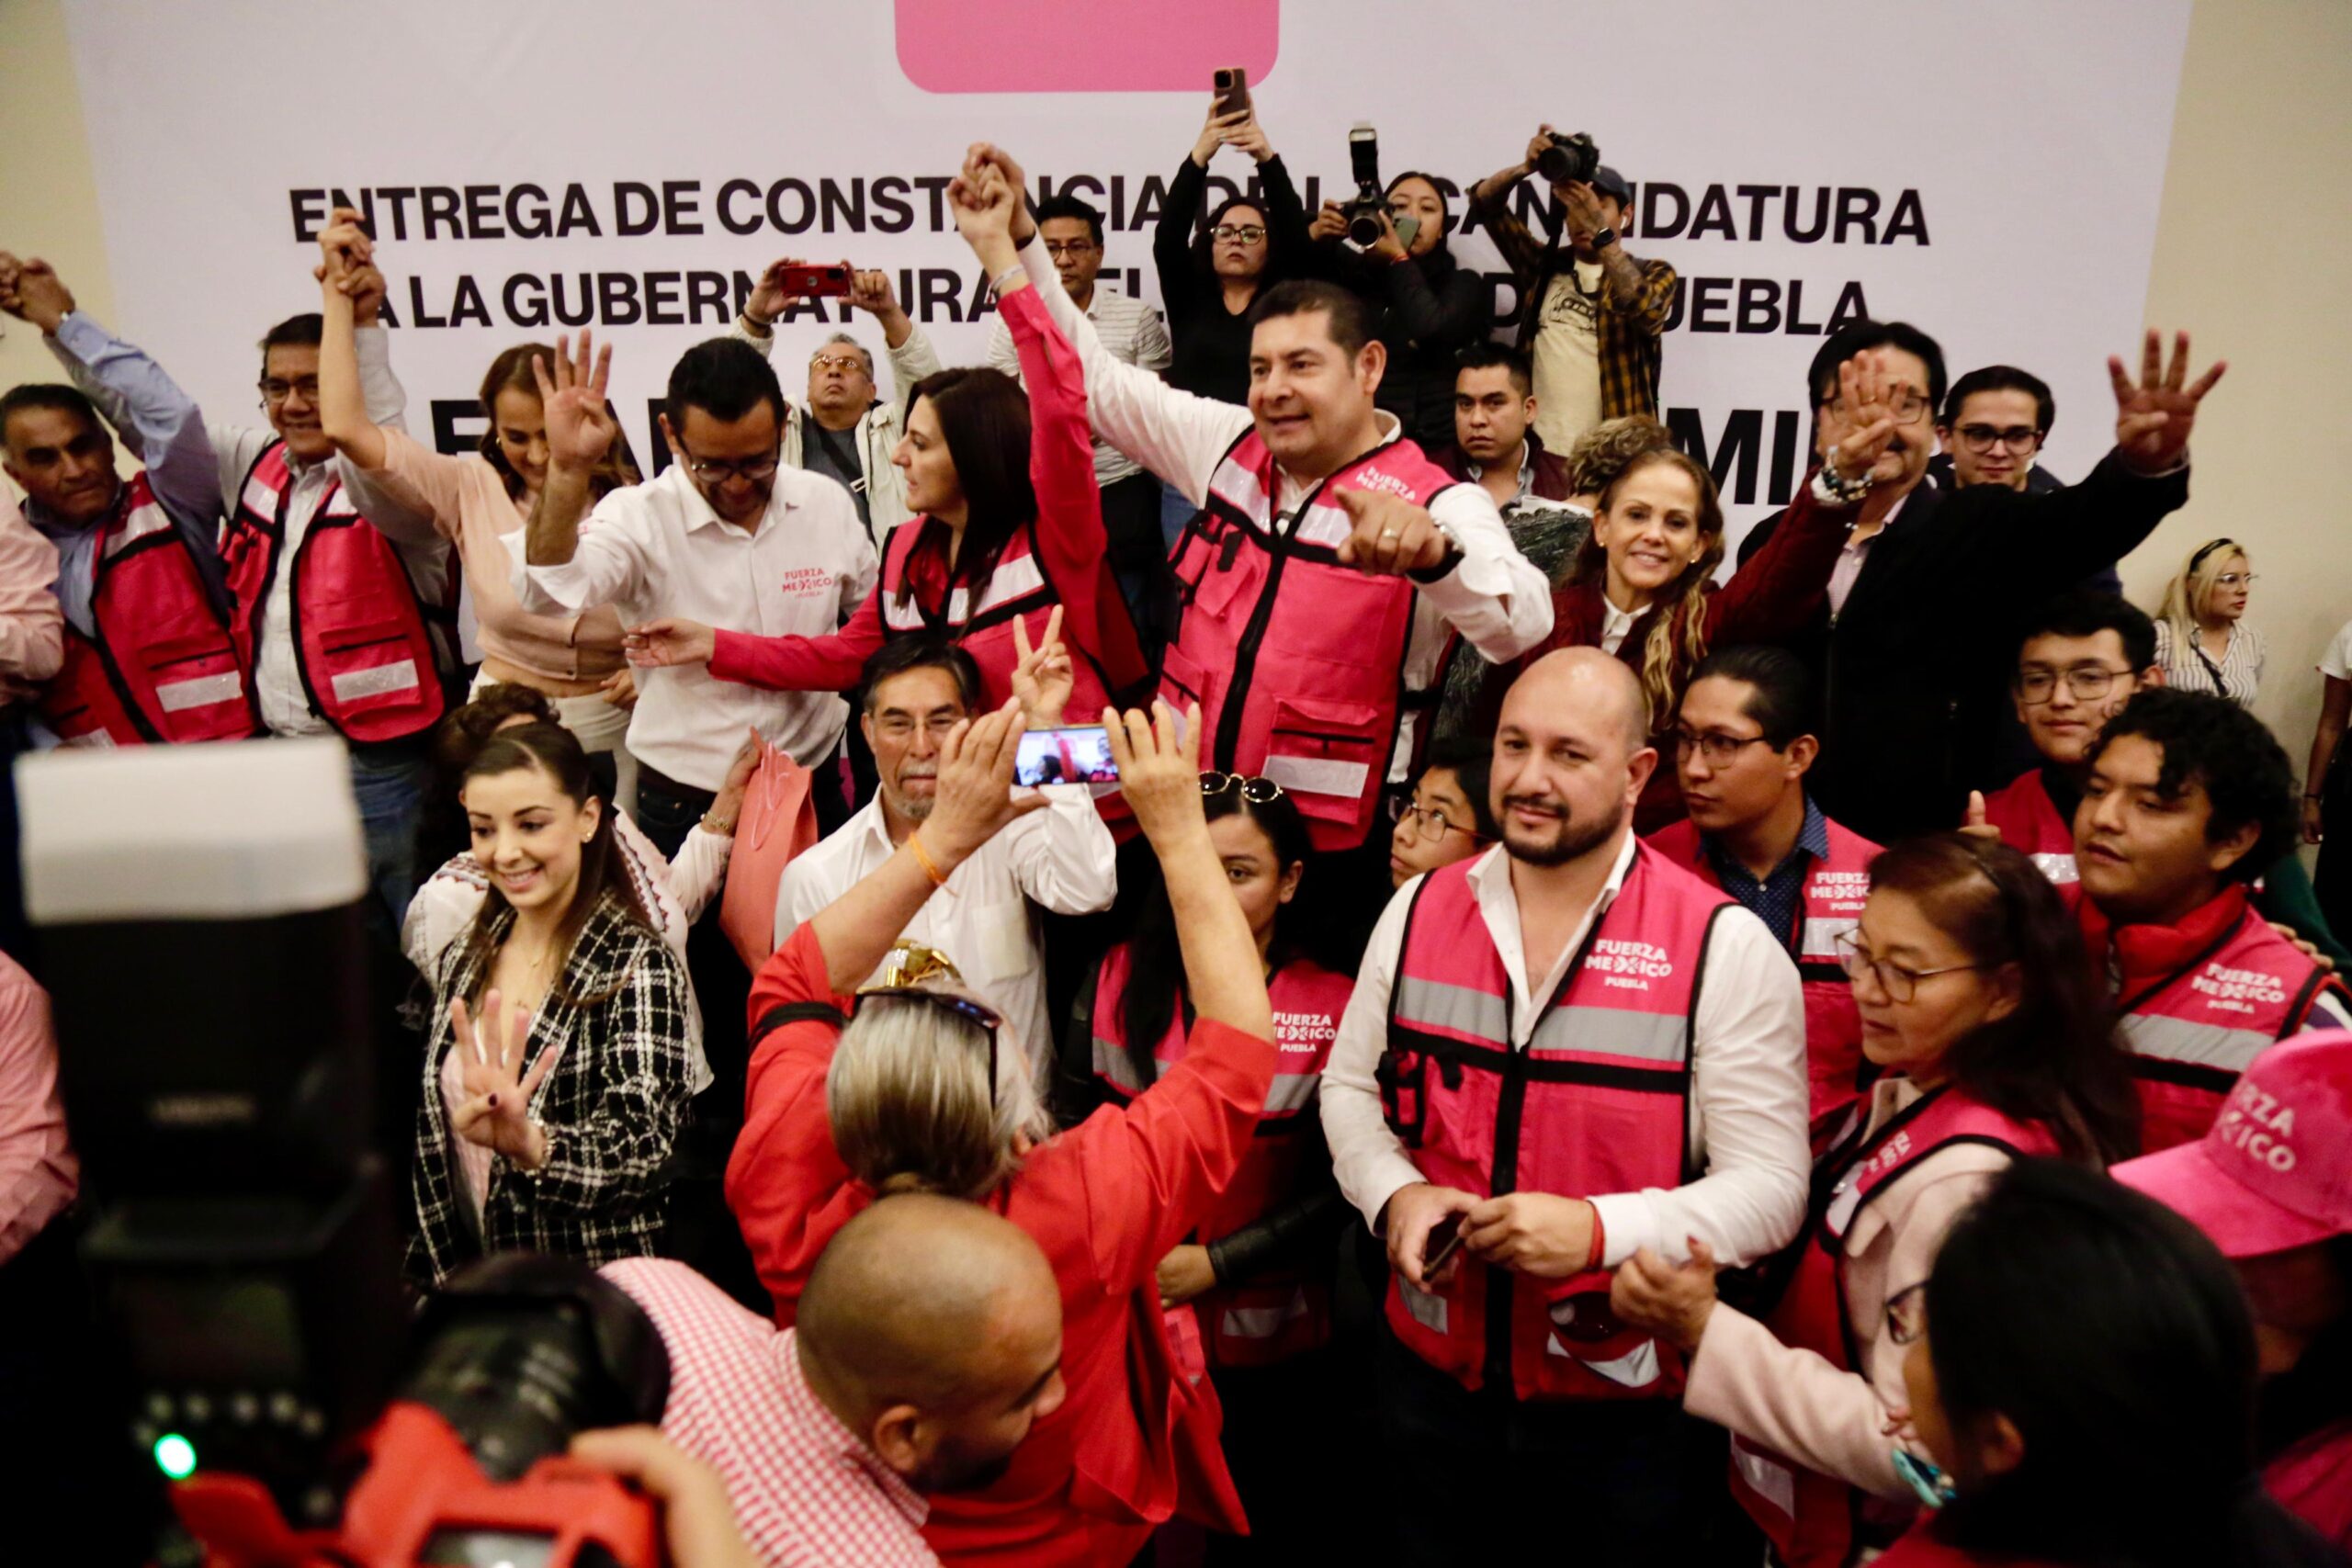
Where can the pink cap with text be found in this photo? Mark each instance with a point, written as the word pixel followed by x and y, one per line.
pixel 2276 1170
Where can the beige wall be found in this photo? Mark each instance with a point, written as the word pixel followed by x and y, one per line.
pixel 2254 252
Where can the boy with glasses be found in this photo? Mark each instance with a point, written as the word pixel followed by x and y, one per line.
pixel 1742 744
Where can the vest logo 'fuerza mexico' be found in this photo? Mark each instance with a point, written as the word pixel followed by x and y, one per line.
pixel 2222 984
pixel 2258 1127
pixel 1305 1031
pixel 1634 964
pixel 1373 478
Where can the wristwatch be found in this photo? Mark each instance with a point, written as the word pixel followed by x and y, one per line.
pixel 1604 238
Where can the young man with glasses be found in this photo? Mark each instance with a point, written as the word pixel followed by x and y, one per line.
pixel 338 624
pixel 1134 333
pixel 846 432
pixel 1561 1051
pixel 1742 744
pixel 917 689
pixel 1910 688
pixel 725 536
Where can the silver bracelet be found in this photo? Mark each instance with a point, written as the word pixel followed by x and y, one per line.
pixel 996 284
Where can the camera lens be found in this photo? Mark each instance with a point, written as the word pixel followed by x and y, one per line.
pixel 517 1380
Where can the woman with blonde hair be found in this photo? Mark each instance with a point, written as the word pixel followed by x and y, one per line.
pixel 1642 586
pixel 2202 639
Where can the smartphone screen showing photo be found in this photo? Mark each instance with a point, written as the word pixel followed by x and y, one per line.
pixel 1077 755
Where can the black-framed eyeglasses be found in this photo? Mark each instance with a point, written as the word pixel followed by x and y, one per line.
pixel 1899 982
pixel 2038 684
pixel 1983 438
pixel 1429 824
pixel 275 392
pixel 1906 1313
pixel 717 471
pixel 1057 249
pixel 1239 233
pixel 1720 750
pixel 1257 792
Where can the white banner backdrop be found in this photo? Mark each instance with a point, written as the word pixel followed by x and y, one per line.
pixel 1992 174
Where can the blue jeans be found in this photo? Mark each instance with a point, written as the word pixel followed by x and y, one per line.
pixel 388 781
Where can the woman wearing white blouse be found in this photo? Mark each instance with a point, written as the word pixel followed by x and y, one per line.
pixel 2202 639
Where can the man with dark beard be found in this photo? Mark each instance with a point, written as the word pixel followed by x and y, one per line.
pixel 929 1342
pixel 1559 1052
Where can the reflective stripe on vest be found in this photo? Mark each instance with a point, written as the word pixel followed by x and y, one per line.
pixel 1294 659
pixel 1595 1101
pixel 164 664
pixel 2192 1043
pixel 2028 822
pixel 1013 579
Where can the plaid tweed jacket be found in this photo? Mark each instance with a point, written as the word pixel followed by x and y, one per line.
pixel 612 1105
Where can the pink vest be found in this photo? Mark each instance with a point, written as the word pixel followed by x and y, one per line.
pixel 2028 823
pixel 1828 907
pixel 1017 589
pixel 1813 1520
pixel 1273 1316
pixel 1295 659
pixel 1598 1102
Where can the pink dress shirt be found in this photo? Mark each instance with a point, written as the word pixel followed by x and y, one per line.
pixel 39 1174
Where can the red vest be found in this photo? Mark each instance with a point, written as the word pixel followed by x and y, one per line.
pixel 1275 1315
pixel 163 666
pixel 1827 906
pixel 1599 1102
pixel 1294 659
pixel 2311 1479
pixel 1814 1520
pixel 2029 824
pixel 359 632
pixel 2193 1014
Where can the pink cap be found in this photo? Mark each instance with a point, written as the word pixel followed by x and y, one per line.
pixel 2276 1170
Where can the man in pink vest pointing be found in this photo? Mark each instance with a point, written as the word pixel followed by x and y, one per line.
pixel 1559 1051
pixel 1331 561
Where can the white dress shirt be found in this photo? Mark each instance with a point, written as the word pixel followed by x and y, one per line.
pixel 1132 333
pixel 657 550
pixel 1061 859
pixel 1615 623
pixel 1747 1091
pixel 1499 601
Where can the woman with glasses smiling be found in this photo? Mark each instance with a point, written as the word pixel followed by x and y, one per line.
pixel 2202 639
pixel 1981 1013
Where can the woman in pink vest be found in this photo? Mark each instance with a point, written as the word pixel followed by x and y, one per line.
pixel 1252 1285
pixel 479 501
pixel 1993 1043
pixel 2268 1184
pixel 1008 525
pixel 2079 1373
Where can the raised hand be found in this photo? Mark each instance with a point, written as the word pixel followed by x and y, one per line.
pixel 983 204
pixel 871 292
pixel 497 1110
pixel 1392 536
pixel 988 155
pixel 1582 203
pixel 1535 145
pixel 656 644
pixel 2154 418
pixel 1390 247
pixel 973 798
pixel 1160 770
pixel 1975 824
pixel 769 297
pixel 581 429
pixel 1217 131
pixel 1860 422
pixel 1330 222
pixel 1249 136
pixel 345 241
pixel 1043 677
pixel 30 290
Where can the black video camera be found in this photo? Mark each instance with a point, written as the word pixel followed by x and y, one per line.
pixel 1366 209
pixel 1570 159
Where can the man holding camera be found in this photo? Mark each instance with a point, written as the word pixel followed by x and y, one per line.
pixel 1591 315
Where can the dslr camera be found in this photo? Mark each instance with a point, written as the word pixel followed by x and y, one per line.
pixel 1366 209
pixel 1568 159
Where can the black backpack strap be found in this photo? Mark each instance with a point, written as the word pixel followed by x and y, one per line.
pixel 776 1017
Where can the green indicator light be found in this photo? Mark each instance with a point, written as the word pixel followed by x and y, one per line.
pixel 175 1456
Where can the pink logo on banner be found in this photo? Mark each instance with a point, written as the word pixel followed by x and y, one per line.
pixel 1083 45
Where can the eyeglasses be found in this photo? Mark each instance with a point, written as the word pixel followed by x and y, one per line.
pixel 1431 824
pixel 2038 684
pixel 1900 982
pixel 1908 407
pixel 274 391
pixel 1257 792
pixel 847 364
pixel 1981 438
pixel 712 470
pixel 1720 750
pixel 1906 1313
pixel 902 725
pixel 1239 233
pixel 1058 250
pixel 2234 580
